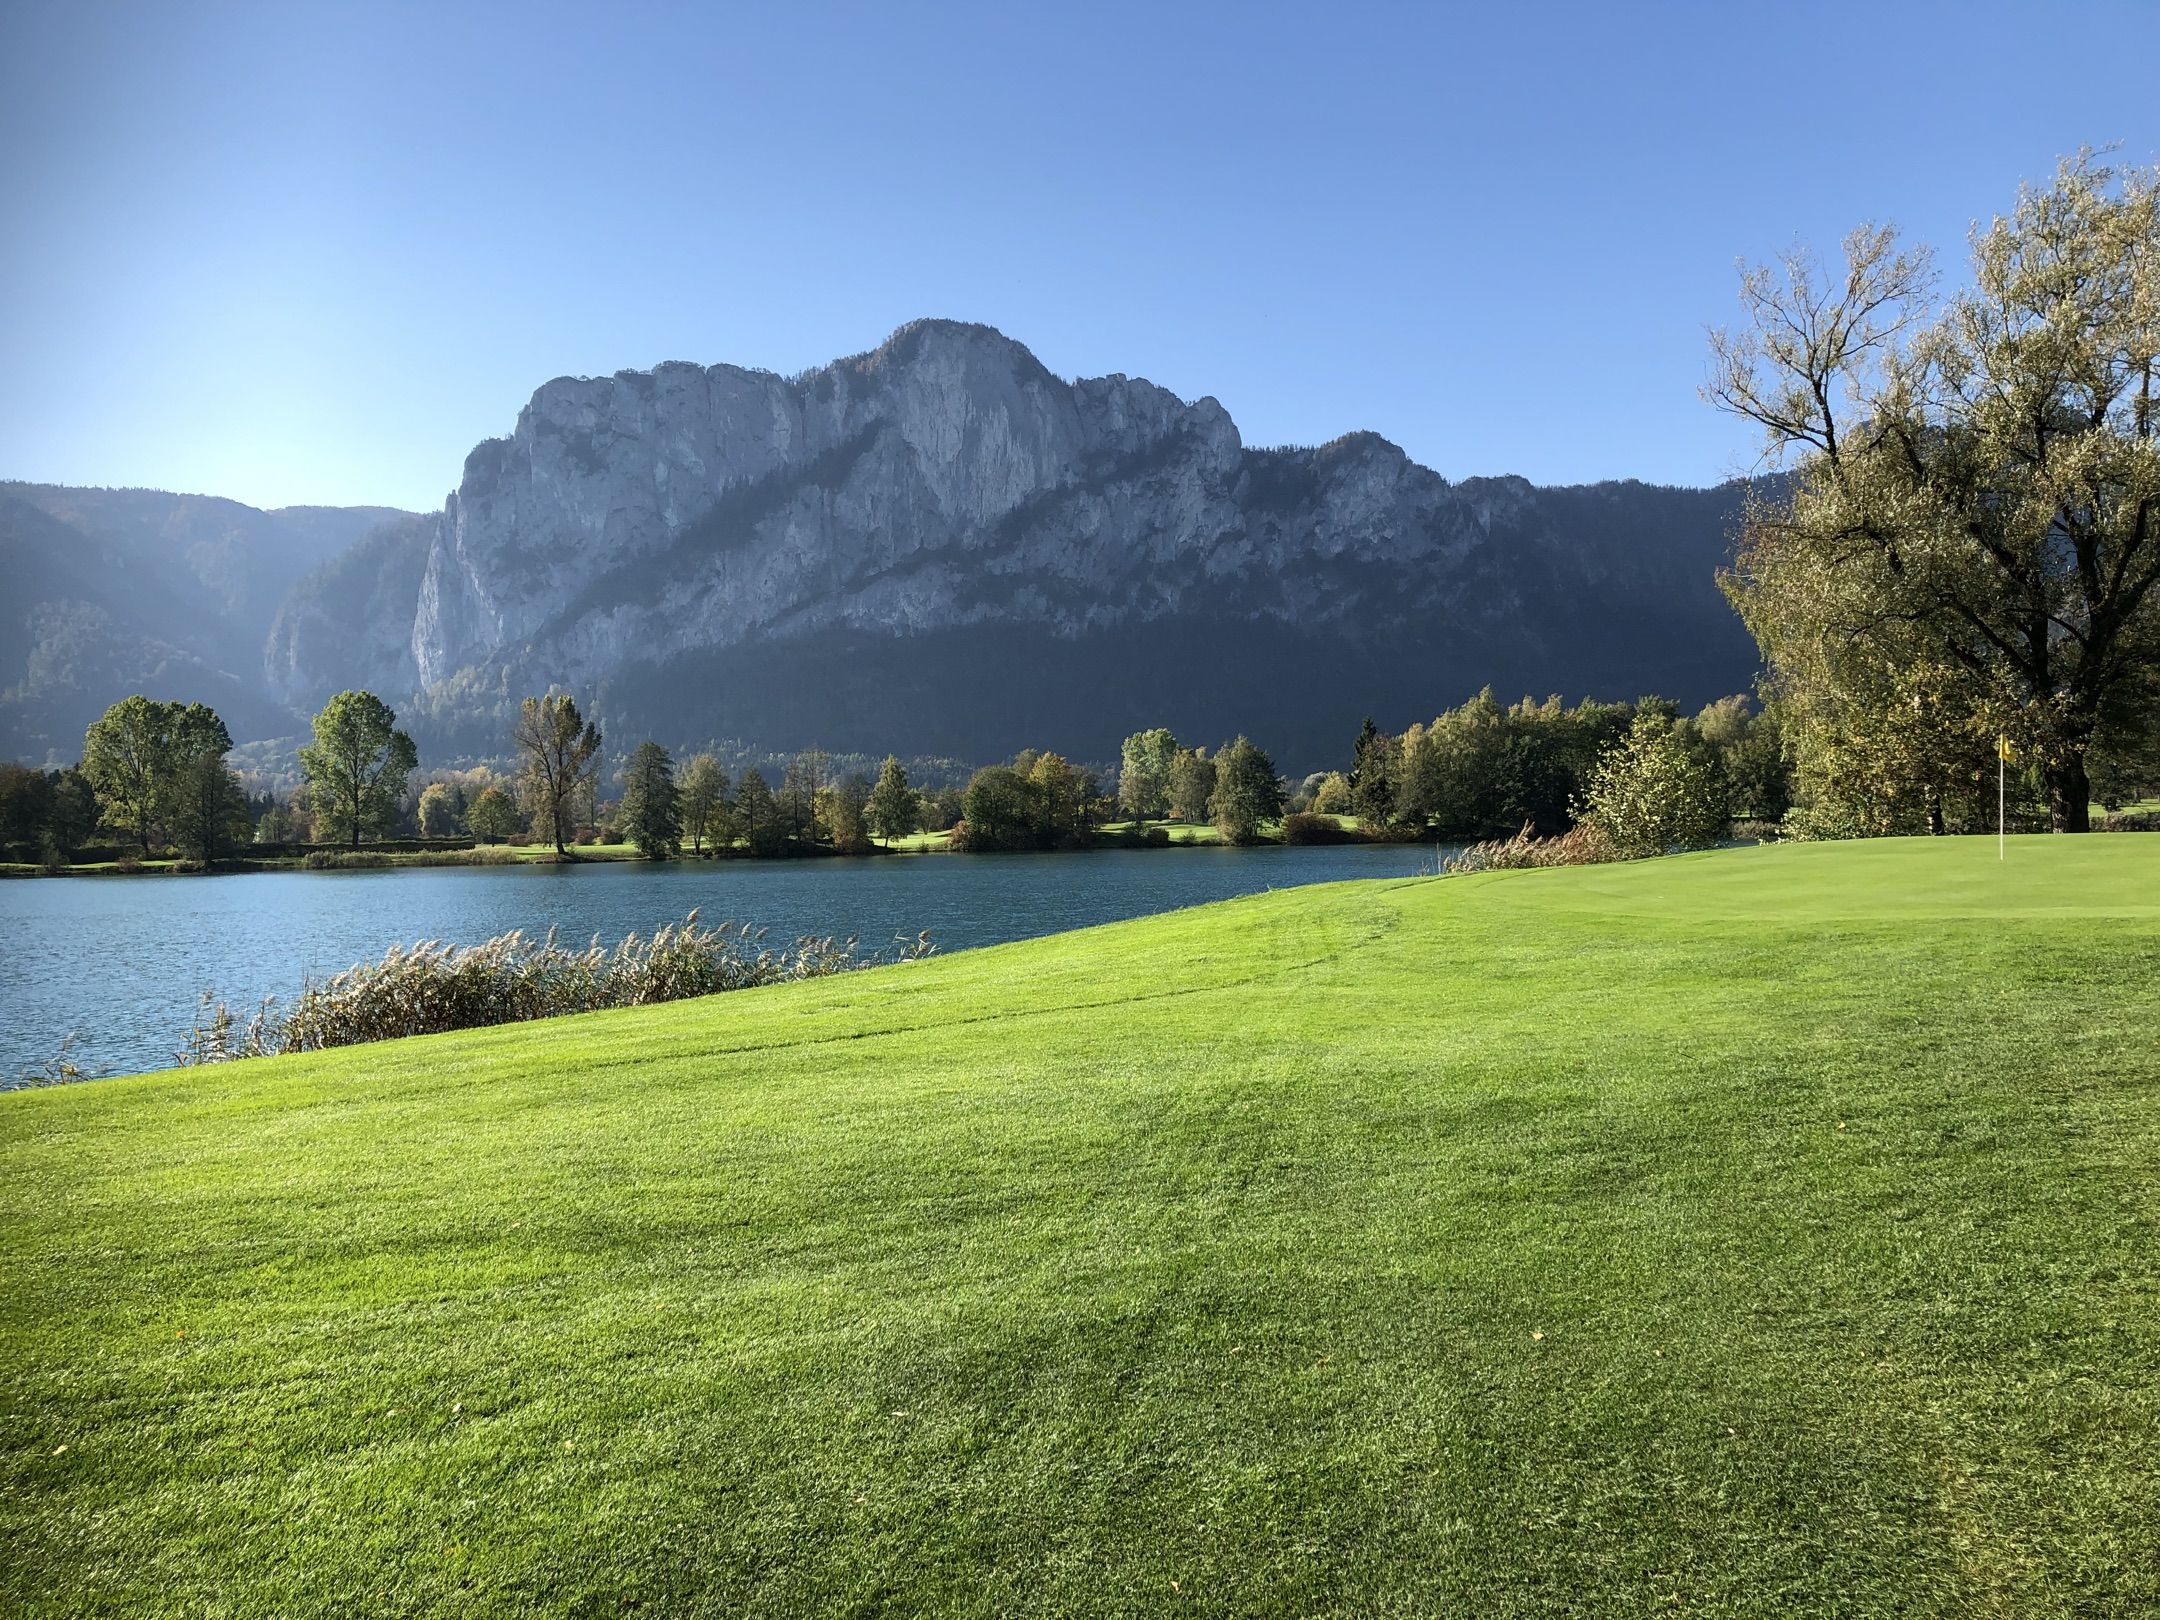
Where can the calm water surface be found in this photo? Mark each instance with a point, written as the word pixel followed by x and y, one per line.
pixel 123 960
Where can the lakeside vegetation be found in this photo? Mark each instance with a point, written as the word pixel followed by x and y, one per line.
pixel 1769 1224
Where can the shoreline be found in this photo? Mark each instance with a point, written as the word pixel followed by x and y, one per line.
pixel 398 855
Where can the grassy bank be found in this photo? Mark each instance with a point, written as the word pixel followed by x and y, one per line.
pixel 1763 1232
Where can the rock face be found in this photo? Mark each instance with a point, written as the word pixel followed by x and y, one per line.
pixel 934 543
pixel 938 548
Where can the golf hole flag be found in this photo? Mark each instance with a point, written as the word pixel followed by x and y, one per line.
pixel 2004 754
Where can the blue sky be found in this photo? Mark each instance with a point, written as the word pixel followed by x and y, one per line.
pixel 303 252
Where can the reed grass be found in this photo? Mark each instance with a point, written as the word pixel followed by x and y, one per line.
pixel 1581 845
pixel 431 987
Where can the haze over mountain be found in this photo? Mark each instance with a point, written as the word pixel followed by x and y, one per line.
pixel 937 547
pixel 112 591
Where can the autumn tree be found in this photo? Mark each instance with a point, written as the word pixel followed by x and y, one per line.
pixel 1659 790
pixel 557 746
pixel 1972 522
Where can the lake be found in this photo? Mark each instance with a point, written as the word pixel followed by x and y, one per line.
pixel 124 960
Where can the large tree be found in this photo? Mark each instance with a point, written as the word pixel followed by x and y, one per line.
pixel 1973 517
pixel 1144 773
pixel 1246 794
pixel 129 758
pixel 1192 783
pixel 651 806
pixel 357 765
pixel 204 805
pixel 493 817
pixel 759 813
pixel 556 746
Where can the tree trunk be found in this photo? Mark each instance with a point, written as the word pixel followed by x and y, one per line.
pixel 1934 813
pixel 2069 795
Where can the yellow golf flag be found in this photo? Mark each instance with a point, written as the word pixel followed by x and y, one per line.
pixel 2004 752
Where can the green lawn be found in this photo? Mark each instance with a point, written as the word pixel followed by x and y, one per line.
pixel 1767 1232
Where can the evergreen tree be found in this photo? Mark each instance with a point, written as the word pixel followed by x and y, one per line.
pixel 1375 775
pixel 651 807
pixel 759 814
pixel 894 810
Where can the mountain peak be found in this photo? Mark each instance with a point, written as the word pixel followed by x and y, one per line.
pixel 934 336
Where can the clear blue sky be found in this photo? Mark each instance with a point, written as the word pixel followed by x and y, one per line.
pixel 308 252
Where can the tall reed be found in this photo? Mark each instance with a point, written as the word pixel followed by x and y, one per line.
pixel 430 987
pixel 1584 844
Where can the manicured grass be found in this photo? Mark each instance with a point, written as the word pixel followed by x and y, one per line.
pixel 1766 1232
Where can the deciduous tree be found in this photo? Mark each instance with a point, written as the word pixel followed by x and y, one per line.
pixel 1149 757
pixel 702 790
pixel 1976 483
pixel 437 811
pixel 128 757
pixel 493 817
pixel 357 764
pixel 1246 794
pixel 558 747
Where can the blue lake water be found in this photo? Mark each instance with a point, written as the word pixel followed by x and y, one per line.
pixel 123 961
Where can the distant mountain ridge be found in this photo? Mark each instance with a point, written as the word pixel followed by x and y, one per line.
pixel 112 591
pixel 941 547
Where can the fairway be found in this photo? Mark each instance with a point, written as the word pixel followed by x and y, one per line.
pixel 1773 1231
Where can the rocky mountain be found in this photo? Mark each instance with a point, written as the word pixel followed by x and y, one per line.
pixel 940 547
pixel 112 591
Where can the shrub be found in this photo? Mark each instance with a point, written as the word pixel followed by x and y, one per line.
pixel 431 987
pixel 1656 791
pixel 345 860
pixel 1310 828
pixel 2129 821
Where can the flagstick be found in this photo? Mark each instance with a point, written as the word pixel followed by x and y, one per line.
pixel 2002 838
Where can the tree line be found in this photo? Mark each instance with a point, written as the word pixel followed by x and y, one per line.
pixel 156 775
